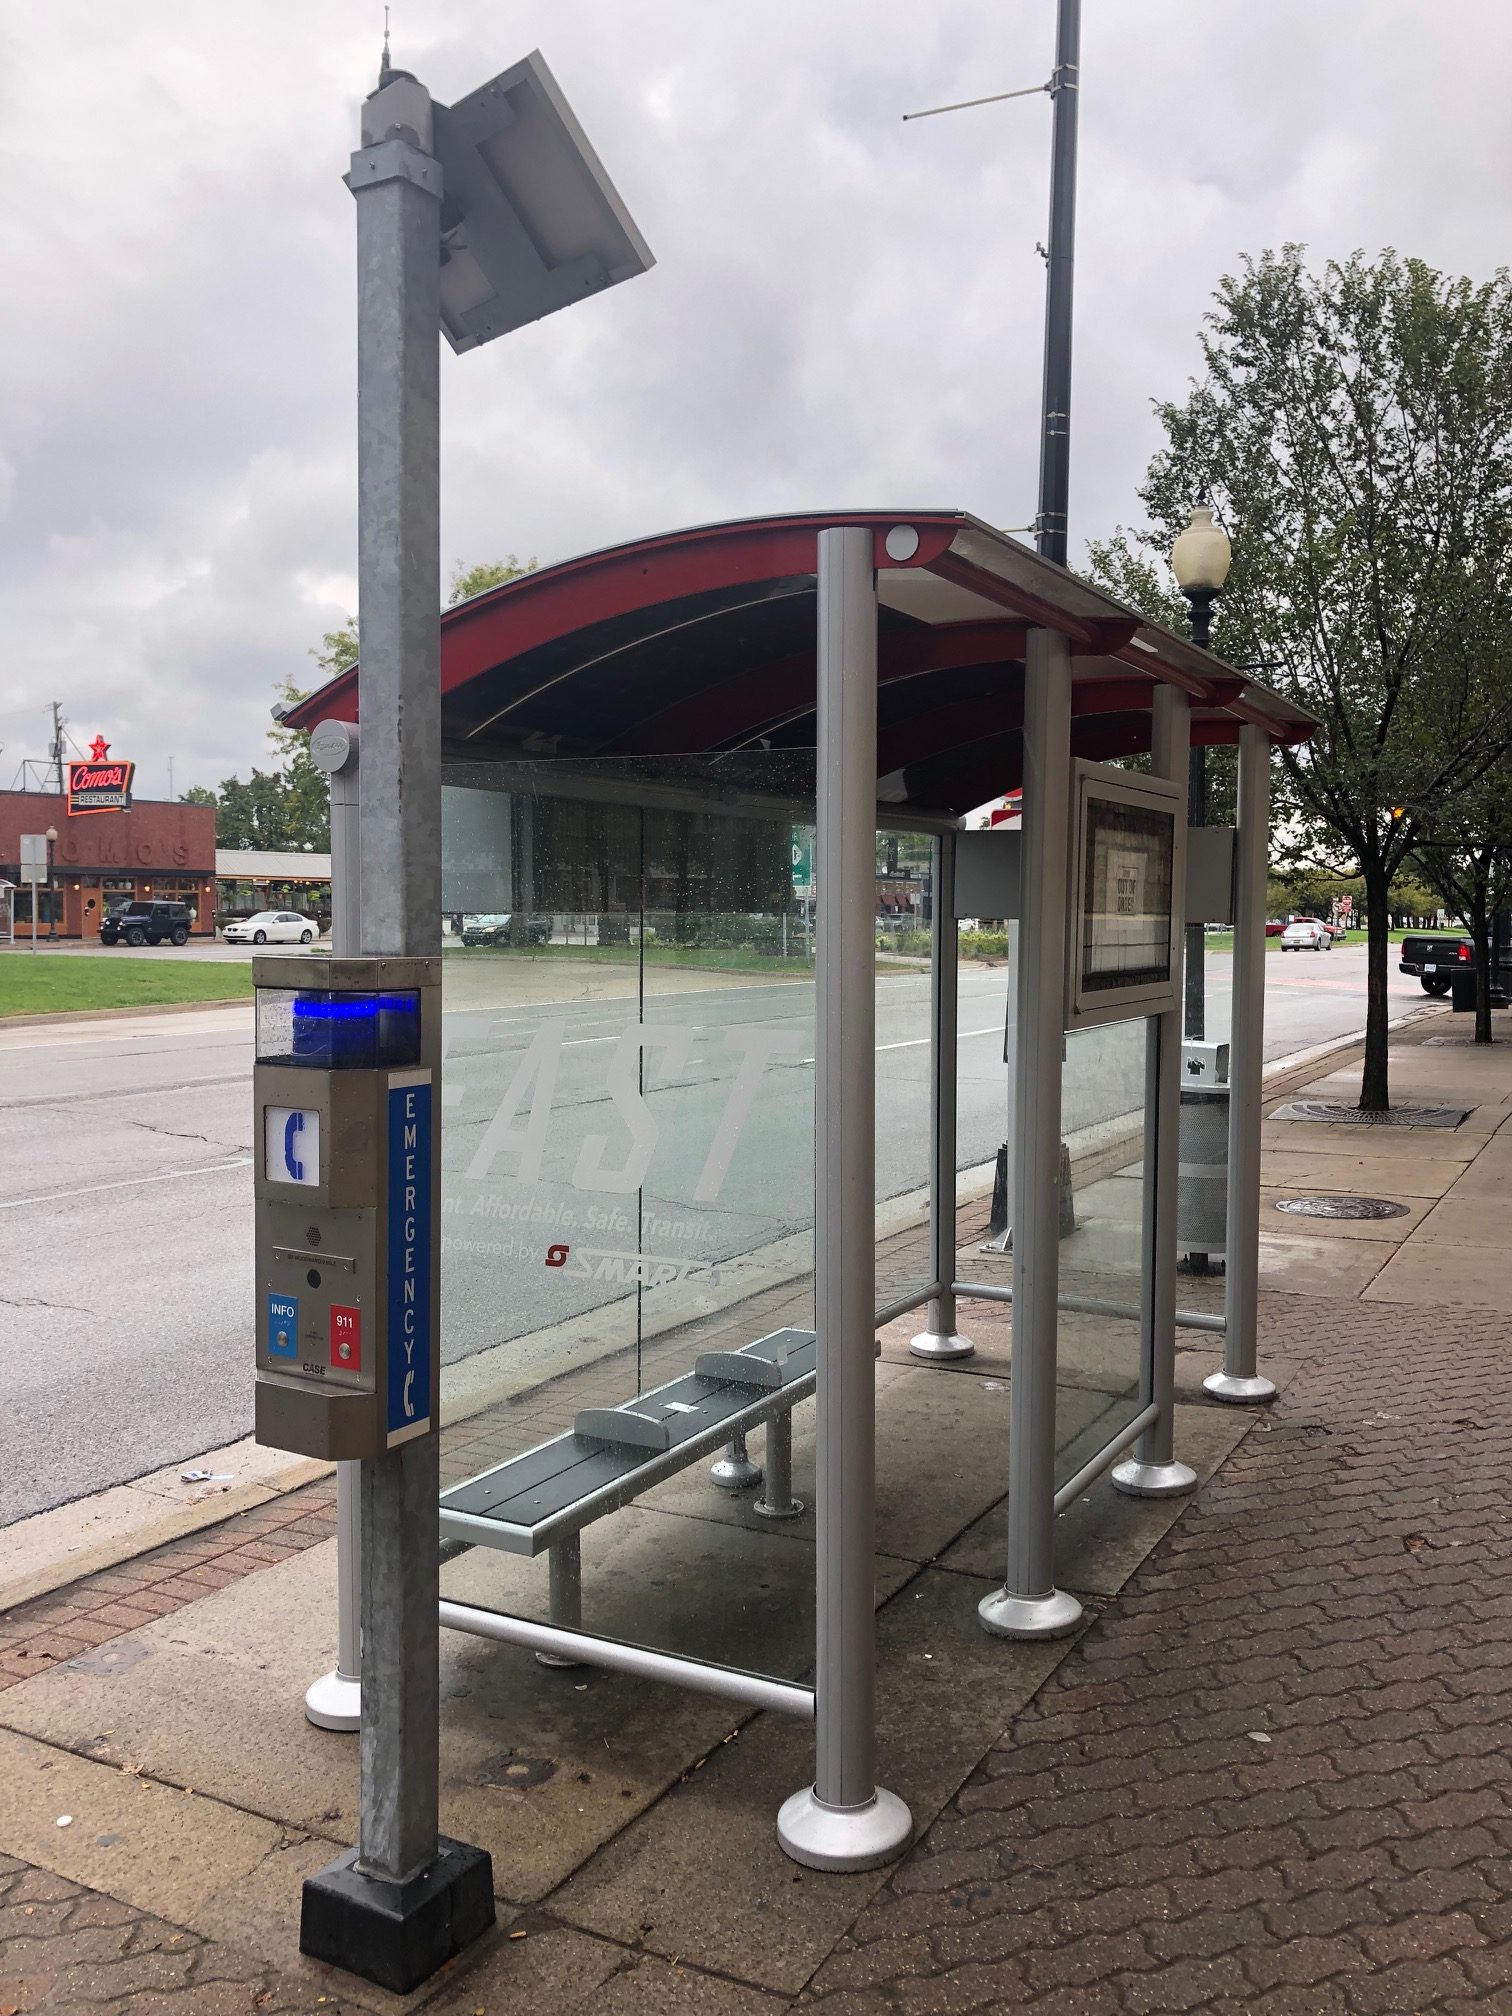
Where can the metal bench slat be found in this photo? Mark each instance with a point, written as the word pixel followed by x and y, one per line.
pixel 536 1487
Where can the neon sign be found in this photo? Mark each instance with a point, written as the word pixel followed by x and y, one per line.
pixel 99 785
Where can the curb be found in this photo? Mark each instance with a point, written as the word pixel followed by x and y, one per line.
pixel 113 1014
pixel 177 1523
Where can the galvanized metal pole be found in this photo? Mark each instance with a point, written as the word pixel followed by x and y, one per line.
pixel 939 1338
pixel 405 1900
pixel 1055 446
pixel 397 184
pixel 1152 1471
pixel 1239 1381
pixel 334 1701
pixel 845 1820
pixel 1029 1605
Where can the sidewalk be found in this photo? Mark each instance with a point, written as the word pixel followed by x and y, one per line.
pixel 1273 1773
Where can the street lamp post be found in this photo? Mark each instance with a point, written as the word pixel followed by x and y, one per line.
pixel 52 896
pixel 1200 561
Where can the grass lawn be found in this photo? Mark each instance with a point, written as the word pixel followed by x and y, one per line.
pixel 41 983
pixel 684 958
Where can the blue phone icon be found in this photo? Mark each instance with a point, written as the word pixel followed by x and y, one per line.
pixel 293 1126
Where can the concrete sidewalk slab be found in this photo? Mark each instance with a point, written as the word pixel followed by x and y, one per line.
pixel 1445 1275
pixel 1310 1264
pixel 703 1870
pixel 1365 1175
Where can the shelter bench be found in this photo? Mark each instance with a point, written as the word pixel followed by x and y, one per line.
pixel 540 1500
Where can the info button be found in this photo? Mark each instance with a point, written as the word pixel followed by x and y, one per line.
pixel 346 1338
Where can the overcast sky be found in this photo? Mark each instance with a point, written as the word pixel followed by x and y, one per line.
pixel 846 310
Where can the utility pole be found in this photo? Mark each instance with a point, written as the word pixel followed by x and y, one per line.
pixel 55 754
pixel 1060 259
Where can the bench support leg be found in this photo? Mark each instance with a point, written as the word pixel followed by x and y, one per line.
pixel 566 1566
pixel 777 1501
pixel 735 1471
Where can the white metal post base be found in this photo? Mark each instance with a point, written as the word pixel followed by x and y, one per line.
pixel 734 1471
pixel 940 1344
pixel 1009 1616
pixel 334 1702
pixel 1240 1390
pixel 843 1837
pixel 1153 1480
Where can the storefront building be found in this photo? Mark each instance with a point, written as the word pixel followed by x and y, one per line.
pixel 106 855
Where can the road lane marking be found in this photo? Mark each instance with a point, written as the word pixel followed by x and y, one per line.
pixel 914 1042
pixel 126 1183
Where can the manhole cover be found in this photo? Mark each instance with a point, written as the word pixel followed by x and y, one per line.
pixel 1342 1207
pixel 1351 1116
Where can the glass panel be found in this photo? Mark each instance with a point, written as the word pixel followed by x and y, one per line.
pixel 628 1149
pixel 1102 1253
pixel 904 1062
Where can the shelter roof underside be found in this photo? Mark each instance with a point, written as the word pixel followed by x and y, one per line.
pixel 704 643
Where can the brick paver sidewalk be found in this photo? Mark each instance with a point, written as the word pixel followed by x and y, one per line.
pixel 1276 1776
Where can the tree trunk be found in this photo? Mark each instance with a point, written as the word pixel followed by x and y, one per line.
pixel 1480 932
pixel 1375 1094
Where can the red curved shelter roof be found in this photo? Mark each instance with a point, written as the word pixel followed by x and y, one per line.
pixel 702 641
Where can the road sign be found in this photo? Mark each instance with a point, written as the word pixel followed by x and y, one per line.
pixel 33 857
pixel 803 860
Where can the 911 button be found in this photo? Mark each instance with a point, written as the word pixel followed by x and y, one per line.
pixel 346 1338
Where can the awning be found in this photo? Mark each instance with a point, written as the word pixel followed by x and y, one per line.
pixel 703 641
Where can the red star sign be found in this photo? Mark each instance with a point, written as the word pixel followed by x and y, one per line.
pixel 99 749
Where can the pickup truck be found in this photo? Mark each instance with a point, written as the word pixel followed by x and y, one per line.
pixel 1435 956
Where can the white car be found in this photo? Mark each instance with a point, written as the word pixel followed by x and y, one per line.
pixel 1307 934
pixel 273 927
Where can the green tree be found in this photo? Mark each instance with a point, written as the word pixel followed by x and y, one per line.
pixel 1466 857
pixel 338 648
pixel 469 581
pixel 1354 428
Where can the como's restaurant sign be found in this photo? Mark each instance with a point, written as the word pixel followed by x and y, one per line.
pixel 99 787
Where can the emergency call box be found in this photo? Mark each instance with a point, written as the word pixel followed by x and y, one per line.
pixel 346 1153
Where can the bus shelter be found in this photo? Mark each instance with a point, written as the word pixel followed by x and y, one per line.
pixel 705 1143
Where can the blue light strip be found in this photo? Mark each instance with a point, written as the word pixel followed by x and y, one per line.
pixel 354 1007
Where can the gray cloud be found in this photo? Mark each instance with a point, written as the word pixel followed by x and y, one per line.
pixel 846 310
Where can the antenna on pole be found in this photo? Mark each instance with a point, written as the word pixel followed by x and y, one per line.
pixel 385 66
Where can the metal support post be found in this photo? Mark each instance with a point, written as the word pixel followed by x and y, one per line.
pixel 845 1820
pixel 397 186
pixel 1239 1381
pixel 939 1338
pixel 777 1501
pixel 1152 1471
pixel 564 1567
pixel 407 1900
pixel 334 1701
pixel 734 1471
pixel 1029 1605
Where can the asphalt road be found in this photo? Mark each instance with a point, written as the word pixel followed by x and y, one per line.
pixel 126 1277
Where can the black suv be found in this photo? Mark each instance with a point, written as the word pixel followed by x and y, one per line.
pixel 146 924
pixel 499 930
